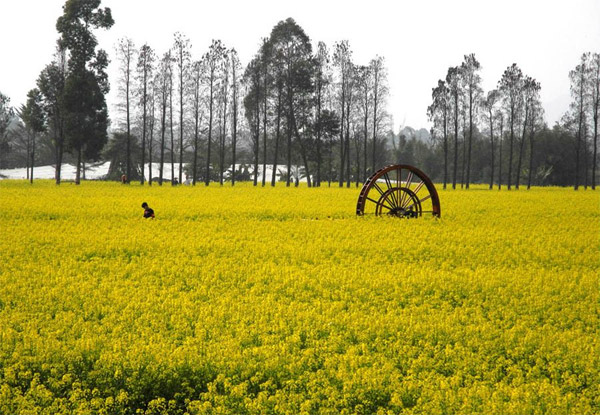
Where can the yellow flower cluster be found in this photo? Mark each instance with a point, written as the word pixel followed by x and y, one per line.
pixel 282 301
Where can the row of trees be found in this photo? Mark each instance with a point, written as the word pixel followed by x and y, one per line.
pixel 512 115
pixel 299 108
pixel 307 113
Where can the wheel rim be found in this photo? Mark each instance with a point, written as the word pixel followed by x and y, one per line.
pixel 400 190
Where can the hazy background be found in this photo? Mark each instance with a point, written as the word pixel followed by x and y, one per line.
pixel 419 40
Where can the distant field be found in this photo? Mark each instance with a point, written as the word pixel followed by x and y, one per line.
pixel 268 301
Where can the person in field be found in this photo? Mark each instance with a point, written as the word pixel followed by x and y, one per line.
pixel 148 211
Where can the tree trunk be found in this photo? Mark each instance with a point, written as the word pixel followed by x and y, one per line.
pixel 32 158
pixel 492 145
pixel 277 136
pixel 510 149
pixel 78 169
pixel 470 138
pixel 445 147
pixel 500 139
pixel 455 167
pixel 594 161
pixel 172 138
pixel 144 98
pixel 210 121
pixel 181 119
pixel 521 147
pixel 162 141
pixel 531 138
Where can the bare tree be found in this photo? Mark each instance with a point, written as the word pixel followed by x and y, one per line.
pixel 322 79
pixel 472 82
pixel 490 107
pixel 510 86
pixel 126 53
pixel 198 76
pixel 578 78
pixel 438 112
pixel 235 94
pixel 212 61
pixel 595 108
pixel 379 95
pixel 530 90
pixel 145 73
pixel 342 60
pixel 537 113
pixel 181 50
pixel 453 83
pixel 224 98
pixel 163 84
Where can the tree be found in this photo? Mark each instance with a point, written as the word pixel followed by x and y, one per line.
pixel 380 94
pixel 322 80
pixel 453 83
pixel 530 91
pixel 235 94
pixel 182 53
pixel 535 124
pixel 32 114
pixel 6 114
pixel 472 82
pixel 292 49
pixel 595 109
pixel 198 69
pixel 212 60
pixel 578 78
pixel 163 82
pixel 364 80
pixel 490 112
pixel 223 100
pixel 510 86
pixel 252 76
pixel 126 54
pixel 342 59
pixel 51 83
pixel 438 112
pixel 145 73
pixel 86 115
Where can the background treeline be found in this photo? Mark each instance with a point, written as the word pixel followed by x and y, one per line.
pixel 295 112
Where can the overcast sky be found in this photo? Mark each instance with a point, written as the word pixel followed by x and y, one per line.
pixel 419 39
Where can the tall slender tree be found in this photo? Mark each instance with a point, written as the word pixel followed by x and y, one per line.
pixel 578 78
pixel 439 112
pixel 213 60
pixel 182 54
pixel 33 116
pixel 472 81
pixel 490 113
pixel 126 53
pixel 595 109
pixel 145 73
pixel 235 94
pixel 510 86
pixel 453 83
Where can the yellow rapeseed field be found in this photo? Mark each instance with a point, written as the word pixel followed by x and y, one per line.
pixel 281 301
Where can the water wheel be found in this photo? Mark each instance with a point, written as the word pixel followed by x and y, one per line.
pixel 399 190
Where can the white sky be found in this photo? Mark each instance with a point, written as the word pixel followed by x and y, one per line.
pixel 419 39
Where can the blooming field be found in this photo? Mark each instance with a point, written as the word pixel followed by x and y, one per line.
pixel 261 300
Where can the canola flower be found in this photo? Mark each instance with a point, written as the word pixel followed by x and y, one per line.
pixel 280 300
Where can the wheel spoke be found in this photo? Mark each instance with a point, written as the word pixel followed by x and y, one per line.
pixel 420 201
pixel 419 187
pixel 392 198
pixel 377 203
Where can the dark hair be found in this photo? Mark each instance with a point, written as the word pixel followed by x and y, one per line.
pixel 144 205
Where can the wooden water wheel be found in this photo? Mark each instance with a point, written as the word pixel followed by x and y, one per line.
pixel 399 190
